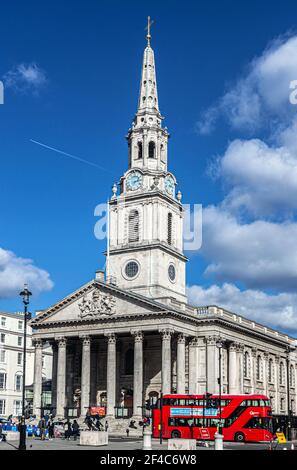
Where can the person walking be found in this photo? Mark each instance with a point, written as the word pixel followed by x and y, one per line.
pixel 51 428
pixel 41 426
pixel 106 426
pixel 75 429
pixel 68 430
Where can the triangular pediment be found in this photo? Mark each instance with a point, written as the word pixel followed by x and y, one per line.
pixel 94 301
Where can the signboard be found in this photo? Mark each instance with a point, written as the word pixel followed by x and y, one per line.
pixel 281 437
pixel 190 412
pixel 97 410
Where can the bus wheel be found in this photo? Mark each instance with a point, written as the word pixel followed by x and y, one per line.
pixel 239 437
pixel 175 434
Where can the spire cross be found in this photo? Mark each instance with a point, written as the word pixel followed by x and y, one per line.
pixel 148 29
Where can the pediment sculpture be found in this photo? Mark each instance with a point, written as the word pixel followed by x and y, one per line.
pixel 99 304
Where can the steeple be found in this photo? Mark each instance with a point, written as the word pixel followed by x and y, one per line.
pixel 147 139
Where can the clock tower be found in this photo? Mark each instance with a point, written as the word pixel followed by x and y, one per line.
pixel 145 252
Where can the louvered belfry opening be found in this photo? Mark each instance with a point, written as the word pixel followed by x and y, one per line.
pixel 134 226
pixel 140 150
pixel 169 229
pixel 152 149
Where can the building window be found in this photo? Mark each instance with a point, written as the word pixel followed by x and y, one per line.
pixel 17 408
pixel 20 359
pixel 20 341
pixel 169 229
pixel 246 365
pixel 129 362
pixel 3 321
pixel 140 150
pixel 131 269
pixel 270 371
pixel 2 407
pixel 18 383
pixel 2 338
pixel 281 373
pixel 258 368
pixel 282 404
pixel 152 149
pixel 20 325
pixel 2 381
pixel 2 355
pixel 133 226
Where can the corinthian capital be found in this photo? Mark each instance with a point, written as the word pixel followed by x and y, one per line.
pixel 181 339
pixel 111 338
pixel 86 340
pixel 166 333
pixel 138 336
pixel 37 343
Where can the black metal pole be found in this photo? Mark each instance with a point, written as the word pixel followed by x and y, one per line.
pixel 22 427
pixel 288 398
pixel 220 389
pixel 161 418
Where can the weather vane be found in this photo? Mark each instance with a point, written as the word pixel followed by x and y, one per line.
pixel 148 29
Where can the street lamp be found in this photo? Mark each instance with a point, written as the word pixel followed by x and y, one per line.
pixel 220 345
pixel 25 294
pixel 288 350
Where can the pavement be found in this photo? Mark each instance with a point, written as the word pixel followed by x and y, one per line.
pixel 128 444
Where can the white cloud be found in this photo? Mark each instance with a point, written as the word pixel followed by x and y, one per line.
pixel 263 90
pixel 279 311
pixel 25 78
pixel 263 179
pixel 15 272
pixel 258 254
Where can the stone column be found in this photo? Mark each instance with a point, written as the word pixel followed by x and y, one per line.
pixel 61 378
pixel 54 374
pixel 111 374
pixel 85 375
pixel 138 374
pixel 180 365
pixel 253 369
pixel 232 370
pixel 265 373
pixel 212 363
pixel 193 366
pixel 240 380
pixel 166 360
pixel 276 385
pixel 37 378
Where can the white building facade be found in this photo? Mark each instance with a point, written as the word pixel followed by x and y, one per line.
pixel 11 362
pixel 129 334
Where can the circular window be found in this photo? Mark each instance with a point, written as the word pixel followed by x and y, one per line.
pixel 131 269
pixel 171 272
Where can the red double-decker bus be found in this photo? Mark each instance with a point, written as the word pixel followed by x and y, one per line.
pixel 244 418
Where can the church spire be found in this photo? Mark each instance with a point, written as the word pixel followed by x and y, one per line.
pixel 148 96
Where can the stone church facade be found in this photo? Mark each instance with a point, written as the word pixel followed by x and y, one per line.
pixel 129 334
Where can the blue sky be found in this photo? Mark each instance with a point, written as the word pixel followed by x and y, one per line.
pixel 71 80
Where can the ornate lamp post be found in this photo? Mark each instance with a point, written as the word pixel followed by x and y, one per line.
pixel 25 294
pixel 220 345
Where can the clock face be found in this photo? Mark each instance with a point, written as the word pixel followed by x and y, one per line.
pixel 134 181
pixel 169 185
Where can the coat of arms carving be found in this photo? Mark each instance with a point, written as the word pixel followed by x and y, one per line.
pixel 99 304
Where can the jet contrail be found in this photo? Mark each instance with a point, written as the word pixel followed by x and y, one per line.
pixel 69 155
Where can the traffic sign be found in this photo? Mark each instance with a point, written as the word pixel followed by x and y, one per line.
pixel 281 437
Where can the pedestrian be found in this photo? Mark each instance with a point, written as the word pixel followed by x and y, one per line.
pixel 75 429
pixel 51 428
pixel 127 431
pixel 2 435
pixel 41 426
pixel 106 426
pixel 68 430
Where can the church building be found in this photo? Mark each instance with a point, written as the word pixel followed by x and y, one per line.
pixel 129 334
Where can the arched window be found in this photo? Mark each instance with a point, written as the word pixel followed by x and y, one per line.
pixel 152 149
pixel 129 362
pixel 259 366
pixel 291 375
pixel 139 150
pixel 133 226
pixel 246 364
pixel 281 373
pixel 169 229
pixel 270 371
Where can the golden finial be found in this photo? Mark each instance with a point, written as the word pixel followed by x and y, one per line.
pixel 148 28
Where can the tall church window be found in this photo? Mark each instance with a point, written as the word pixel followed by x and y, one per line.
pixel 152 149
pixel 129 362
pixel 291 375
pixel 259 367
pixel 246 364
pixel 270 371
pixel 139 150
pixel 281 373
pixel 133 226
pixel 169 229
